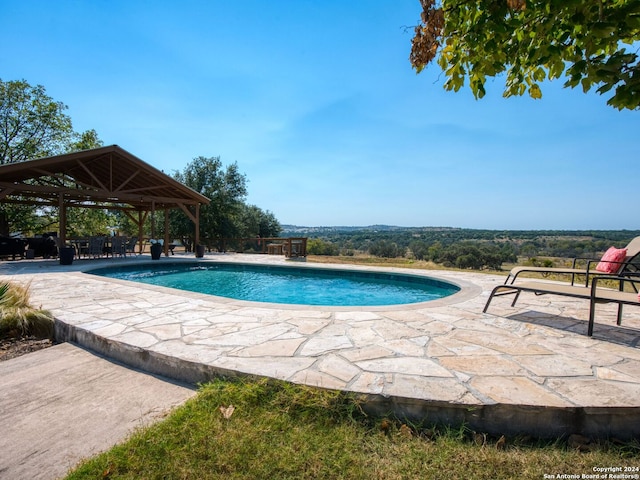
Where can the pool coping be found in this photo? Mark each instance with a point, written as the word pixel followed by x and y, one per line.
pixel 525 370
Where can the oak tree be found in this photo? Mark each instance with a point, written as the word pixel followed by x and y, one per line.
pixel 225 186
pixel 32 124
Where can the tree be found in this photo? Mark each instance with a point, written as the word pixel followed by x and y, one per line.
pixel 475 255
pixel 419 249
pixel 386 249
pixel 533 40
pixel 225 187
pixel 318 246
pixel 85 141
pixel 91 221
pixel 255 222
pixel 32 124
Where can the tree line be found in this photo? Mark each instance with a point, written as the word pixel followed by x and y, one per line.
pixel 459 247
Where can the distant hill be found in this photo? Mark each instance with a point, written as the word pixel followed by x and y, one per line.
pixel 298 230
pixel 368 228
pixel 490 247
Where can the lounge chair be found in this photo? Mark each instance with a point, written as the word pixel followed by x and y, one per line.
pixel 594 293
pixel 630 264
pixel 605 295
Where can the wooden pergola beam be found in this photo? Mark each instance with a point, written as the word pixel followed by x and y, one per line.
pixel 43 192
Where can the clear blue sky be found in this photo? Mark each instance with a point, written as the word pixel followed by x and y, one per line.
pixel 320 108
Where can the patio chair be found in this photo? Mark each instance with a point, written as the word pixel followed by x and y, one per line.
pixel 118 247
pixel 629 264
pixel 130 246
pixel 96 246
pixel 594 293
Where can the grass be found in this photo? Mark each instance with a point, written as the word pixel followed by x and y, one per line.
pixel 374 261
pixel 398 262
pixel 284 431
pixel 18 317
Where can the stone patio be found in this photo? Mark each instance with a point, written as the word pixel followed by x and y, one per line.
pixel 524 370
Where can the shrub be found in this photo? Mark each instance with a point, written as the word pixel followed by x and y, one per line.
pixel 420 250
pixel 317 246
pixel 386 249
pixel 18 317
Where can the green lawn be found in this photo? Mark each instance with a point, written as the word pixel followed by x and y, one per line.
pixel 283 431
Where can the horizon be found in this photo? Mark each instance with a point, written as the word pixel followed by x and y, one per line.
pixel 321 110
pixel 440 227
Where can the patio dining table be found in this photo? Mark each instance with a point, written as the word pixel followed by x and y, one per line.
pixel 80 244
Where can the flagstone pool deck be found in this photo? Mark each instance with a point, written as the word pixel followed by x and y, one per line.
pixel 529 369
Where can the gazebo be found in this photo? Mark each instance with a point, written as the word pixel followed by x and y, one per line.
pixel 106 178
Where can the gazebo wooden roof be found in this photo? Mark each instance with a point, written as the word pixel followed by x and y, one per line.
pixel 105 177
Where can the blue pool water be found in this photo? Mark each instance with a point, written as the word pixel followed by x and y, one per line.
pixel 290 285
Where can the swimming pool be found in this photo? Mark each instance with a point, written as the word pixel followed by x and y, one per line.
pixel 287 285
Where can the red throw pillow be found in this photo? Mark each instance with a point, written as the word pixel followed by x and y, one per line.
pixel 616 255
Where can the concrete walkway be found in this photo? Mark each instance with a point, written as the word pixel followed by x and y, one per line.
pixel 63 404
pixel 529 369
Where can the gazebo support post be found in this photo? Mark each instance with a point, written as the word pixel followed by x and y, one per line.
pixel 153 219
pixel 62 220
pixel 140 232
pixel 195 218
pixel 197 223
pixel 166 232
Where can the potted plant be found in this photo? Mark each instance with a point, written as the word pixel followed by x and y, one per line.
pixel 156 248
pixel 66 255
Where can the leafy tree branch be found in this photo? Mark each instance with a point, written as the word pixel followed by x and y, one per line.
pixel 593 43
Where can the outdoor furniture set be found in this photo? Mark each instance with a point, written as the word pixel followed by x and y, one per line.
pixel 102 246
pixel 618 268
pixel 12 247
pixel 45 246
